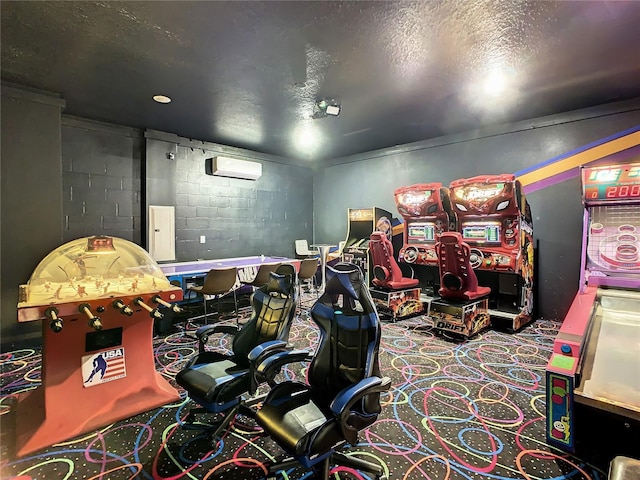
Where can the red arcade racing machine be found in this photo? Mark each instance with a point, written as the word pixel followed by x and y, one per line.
pixel 97 298
pixel 593 374
pixel 426 210
pixel 494 219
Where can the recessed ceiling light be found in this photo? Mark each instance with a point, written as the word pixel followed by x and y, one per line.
pixel 495 84
pixel 162 99
pixel 306 138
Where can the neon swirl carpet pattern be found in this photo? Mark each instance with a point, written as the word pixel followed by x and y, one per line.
pixel 455 411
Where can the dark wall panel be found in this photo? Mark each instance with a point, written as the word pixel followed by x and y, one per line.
pixel 369 180
pixel 101 180
pixel 237 217
pixel 31 198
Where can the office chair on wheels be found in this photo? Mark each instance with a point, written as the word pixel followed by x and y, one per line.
pixel 217 382
pixel 312 422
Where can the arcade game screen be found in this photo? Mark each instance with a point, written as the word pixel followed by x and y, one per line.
pixel 613 245
pixel 421 233
pixel 482 233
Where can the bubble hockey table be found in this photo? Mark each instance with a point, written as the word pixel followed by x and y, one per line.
pixel 97 298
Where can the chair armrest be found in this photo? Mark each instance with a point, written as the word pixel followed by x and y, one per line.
pixel 347 397
pixel 266 348
pixel 269 365
pixel 203 333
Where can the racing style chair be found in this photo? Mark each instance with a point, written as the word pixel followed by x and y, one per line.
pixel 386 272
pixel 457 278
pixel 313 421
pixel 217 381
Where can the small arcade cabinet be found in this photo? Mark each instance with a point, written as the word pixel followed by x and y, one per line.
pixel 426 210
pixel 593 376
pixel 97 298
pixel 361 223
pixel 494 219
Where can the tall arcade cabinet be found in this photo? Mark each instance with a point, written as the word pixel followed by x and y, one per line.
pixel 361 223
pixel 494 219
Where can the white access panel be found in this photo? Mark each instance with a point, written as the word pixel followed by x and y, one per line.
pixel 162 233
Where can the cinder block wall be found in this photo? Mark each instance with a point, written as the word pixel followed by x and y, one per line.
pixel 236 217
pixel 101 180
pixel 240 217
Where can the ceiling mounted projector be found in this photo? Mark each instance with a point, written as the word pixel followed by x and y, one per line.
pixel 233 168
pixel 327 107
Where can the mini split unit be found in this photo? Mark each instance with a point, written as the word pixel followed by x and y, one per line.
pixel 233 167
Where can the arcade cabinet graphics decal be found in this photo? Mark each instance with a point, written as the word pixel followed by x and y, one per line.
pixel 103 367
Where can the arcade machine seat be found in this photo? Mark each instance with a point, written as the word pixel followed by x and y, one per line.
pixel 387 273
pixel 396 296
pixel 462 310
pixel 457 278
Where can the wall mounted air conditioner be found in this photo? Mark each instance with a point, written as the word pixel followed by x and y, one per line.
pixel 233 167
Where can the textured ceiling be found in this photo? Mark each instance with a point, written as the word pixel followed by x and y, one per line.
pixel 248 74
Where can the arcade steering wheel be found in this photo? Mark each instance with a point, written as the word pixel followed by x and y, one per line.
pixel 410 254
pixel 475 258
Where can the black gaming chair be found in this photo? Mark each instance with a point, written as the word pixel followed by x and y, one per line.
pixel 311 422
pixel 218 382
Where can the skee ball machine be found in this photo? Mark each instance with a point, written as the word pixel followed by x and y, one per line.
pixel 97 298
pixel 361 223
pixel 426 211
pixel 494 219
pixel 594 370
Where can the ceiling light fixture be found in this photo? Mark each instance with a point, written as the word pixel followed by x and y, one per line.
pixel 162 99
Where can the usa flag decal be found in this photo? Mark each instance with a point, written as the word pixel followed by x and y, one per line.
pixel 103 367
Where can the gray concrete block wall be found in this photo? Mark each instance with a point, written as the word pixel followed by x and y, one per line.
pixel 30 199
pixel 101 180
pixel 240 217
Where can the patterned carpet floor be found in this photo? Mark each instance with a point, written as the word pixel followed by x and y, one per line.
pixel 455 411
